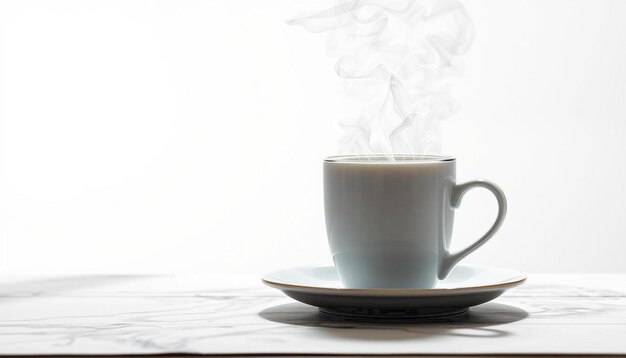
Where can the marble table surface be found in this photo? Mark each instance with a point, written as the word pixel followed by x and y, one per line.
pixel 226 314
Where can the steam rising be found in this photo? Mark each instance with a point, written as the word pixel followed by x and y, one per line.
pixel 395 57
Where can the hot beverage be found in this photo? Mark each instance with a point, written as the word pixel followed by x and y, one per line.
pixel 389 222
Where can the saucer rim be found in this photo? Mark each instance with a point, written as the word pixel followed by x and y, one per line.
pixel 519 279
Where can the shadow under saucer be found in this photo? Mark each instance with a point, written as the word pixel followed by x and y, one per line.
pixel 476 322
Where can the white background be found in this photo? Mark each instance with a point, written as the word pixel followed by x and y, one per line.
pixel 172 136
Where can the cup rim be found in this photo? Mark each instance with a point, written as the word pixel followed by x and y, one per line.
pixel 379 158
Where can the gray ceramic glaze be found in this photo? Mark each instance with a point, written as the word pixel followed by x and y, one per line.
pixel 389 223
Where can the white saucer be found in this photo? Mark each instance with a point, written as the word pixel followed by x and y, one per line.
pixel 465 286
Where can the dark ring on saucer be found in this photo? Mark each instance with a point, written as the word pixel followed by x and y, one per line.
pixel 371 314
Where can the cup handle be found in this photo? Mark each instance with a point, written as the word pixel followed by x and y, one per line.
pixel 451 259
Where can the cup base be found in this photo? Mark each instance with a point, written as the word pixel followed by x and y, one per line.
pixel 398 266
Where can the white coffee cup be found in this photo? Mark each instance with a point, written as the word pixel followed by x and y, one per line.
pixel 389 222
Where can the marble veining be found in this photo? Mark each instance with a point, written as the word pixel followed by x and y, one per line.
pixel 218 314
